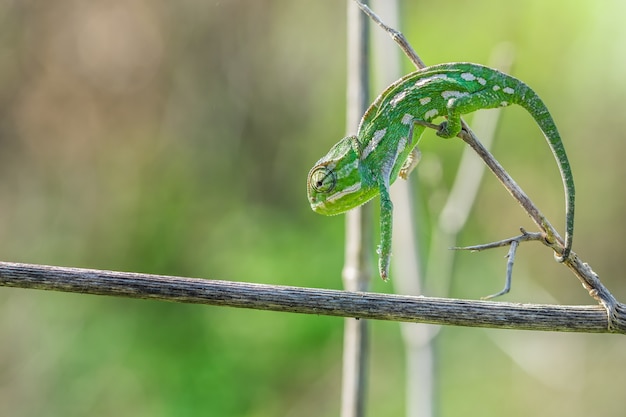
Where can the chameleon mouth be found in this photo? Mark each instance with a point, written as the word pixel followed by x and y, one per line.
pixel 322 207
pixel 331 204
pixel 318 206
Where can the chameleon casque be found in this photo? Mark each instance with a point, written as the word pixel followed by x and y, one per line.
pixel 359 167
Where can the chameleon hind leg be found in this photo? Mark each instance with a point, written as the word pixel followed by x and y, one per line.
pixel 411 162
pixel 458 106
pixel 413 138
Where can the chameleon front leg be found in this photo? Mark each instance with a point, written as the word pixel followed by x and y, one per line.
pixel 386 227
pixel 414 135
pixel 386 205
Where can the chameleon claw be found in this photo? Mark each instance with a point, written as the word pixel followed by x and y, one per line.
pixel 383 264
pixel 383 276
pixel 442 130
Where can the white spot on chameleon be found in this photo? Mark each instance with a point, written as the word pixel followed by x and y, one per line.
pixel 424 101
pixel 431 114
pixel 453 94
pixel 373 143
pixel 407 119
pixel 401 146
pixel 496 87
pixel 508 90
pixel 426 80
pixel 504 103
pixel 348 190
pixel 378 135
pixel 398 98
pixel 468 76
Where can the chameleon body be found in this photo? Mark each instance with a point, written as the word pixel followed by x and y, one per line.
pixel 360 167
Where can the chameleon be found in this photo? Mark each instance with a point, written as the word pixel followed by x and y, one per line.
pixel 361 166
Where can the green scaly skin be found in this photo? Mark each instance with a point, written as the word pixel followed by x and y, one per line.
pixel 359 167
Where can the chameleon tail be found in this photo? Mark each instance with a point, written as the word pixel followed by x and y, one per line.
pixel 536 107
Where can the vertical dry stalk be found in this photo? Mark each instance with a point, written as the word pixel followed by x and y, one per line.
pixel 407 264
pixel 357 271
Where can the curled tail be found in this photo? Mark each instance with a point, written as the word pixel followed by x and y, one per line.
pixel 538 110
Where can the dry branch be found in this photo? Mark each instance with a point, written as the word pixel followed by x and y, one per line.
pixel 365 305
pixel 591 282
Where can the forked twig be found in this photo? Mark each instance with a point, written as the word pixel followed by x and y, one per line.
pixel 524 237
pixel 513 242
pixel 550 237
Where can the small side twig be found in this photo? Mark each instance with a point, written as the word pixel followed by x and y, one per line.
pixel 524 237
pixel 513 242
pixel 509 272
pixel 589 279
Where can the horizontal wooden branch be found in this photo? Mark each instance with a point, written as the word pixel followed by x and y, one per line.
pixel 591 319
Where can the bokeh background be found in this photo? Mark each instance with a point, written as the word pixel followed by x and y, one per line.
pixel 175 138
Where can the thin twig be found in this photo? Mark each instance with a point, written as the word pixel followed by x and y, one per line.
pixel 590 280
pixel 396 35
pixel 364 305
pixel 524 237
pixel 468 136
pixel 552 238
pixel 509 272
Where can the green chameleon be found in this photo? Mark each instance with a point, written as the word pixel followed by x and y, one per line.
pixel 359 167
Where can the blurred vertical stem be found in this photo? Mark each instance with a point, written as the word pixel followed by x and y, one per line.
pixel 464 190
pixel 357 271
pixel 407 263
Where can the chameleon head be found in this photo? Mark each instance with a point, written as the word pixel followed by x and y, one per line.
pixel 334 183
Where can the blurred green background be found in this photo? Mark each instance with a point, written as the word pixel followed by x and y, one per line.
pixel 175 138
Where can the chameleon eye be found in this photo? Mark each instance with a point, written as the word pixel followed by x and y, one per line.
pixel 322 180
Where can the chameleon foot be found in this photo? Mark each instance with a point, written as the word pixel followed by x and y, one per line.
pixel 443 130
